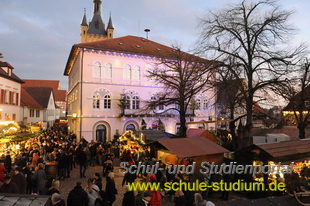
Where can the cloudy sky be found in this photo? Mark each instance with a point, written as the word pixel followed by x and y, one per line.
pixel 36 36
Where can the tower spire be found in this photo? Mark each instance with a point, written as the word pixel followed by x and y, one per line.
pixel 84 20
pixel 110 24
pixel 97 6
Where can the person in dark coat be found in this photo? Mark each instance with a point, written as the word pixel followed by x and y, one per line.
pixel 145 201
pixel 28 172
pixel 8 186
pixel 98 180
pixel 20 180
pixel 8 162
pixel 110 188
pixel 102 199
pixel 54 189
pixel 39 180
pixel 77 196
pixel 129 178
pixel 82 160
pixel 129 198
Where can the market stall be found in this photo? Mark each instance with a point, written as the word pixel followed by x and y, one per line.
pixel 187 150
pixel 279 156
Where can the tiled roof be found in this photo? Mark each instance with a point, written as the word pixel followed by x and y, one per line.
pixel 6 75
pixel 40 94
pixel 130 45
pixel 288 148
pixel 60 95
pixel 27 100
pixel 192 147
pixel 41 83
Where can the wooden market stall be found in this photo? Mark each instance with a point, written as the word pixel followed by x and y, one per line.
pixel 198 149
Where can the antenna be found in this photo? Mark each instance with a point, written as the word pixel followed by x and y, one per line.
pixel 147 33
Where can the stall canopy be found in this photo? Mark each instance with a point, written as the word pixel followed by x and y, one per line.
pixel 192 147
pixel 290 150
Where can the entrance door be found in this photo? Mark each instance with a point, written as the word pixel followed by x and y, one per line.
pixel 101 133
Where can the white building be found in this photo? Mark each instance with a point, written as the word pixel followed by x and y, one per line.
pixel 46 111
pixel 101 72
pixel 10 89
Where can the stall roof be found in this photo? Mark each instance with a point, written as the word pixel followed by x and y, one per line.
pixel 192 147
pixel 286 148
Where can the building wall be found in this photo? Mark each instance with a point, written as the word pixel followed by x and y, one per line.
pixel 10 109
pixel 81 94
pixel 50 112
pixel 29 117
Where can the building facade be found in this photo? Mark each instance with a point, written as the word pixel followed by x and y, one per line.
pixel 38 106
pixel 104 73
pixel 60 95
pixel 10 89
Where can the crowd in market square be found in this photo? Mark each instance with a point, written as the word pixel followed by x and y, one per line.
pixel 22 171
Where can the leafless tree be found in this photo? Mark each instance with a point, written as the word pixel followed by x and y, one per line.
pixel 297 91
pixel 255 35
pixel 183 76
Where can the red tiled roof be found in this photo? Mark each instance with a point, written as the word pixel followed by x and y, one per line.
pixel 192 147
pixel 6 75
pixel 60 95
pixel 41 83
pixel 27 100
pixel 131 45
pixel 192 133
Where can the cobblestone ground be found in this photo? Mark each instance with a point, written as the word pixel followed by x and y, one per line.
pixel 68 184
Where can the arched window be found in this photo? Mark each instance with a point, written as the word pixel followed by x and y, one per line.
pixel 136 73
pixel 97 69
pixel 135 102
pixel 127 102
pixel 107 73
pixel 205 104
pixel 107 102
pixel 96 101
pixel 127 72
pixel 198 104
pixel 131 127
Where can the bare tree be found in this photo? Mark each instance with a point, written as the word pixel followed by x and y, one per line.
pixel 183 75
pixel 255 36
pixel 297 91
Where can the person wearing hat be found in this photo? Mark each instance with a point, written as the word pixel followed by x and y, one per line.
pixel 20 180
pixel 8 186
pixel 145 201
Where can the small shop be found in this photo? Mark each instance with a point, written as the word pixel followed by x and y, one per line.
pixel 278 156
pixel 184 151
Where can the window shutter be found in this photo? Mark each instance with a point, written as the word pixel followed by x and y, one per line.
pixel 1 96
pixel 17 100
pixel 10 98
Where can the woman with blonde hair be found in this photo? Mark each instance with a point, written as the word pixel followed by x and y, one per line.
pixel 55 188
pixel 199 201
pixel 92 191
pixel 110 188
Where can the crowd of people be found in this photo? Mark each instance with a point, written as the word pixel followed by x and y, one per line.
pixel 26 174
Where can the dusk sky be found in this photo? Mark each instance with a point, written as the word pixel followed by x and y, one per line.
pixel 36 36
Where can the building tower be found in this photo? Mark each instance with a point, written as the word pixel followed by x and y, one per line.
pixel 110 28
pixel 96 30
